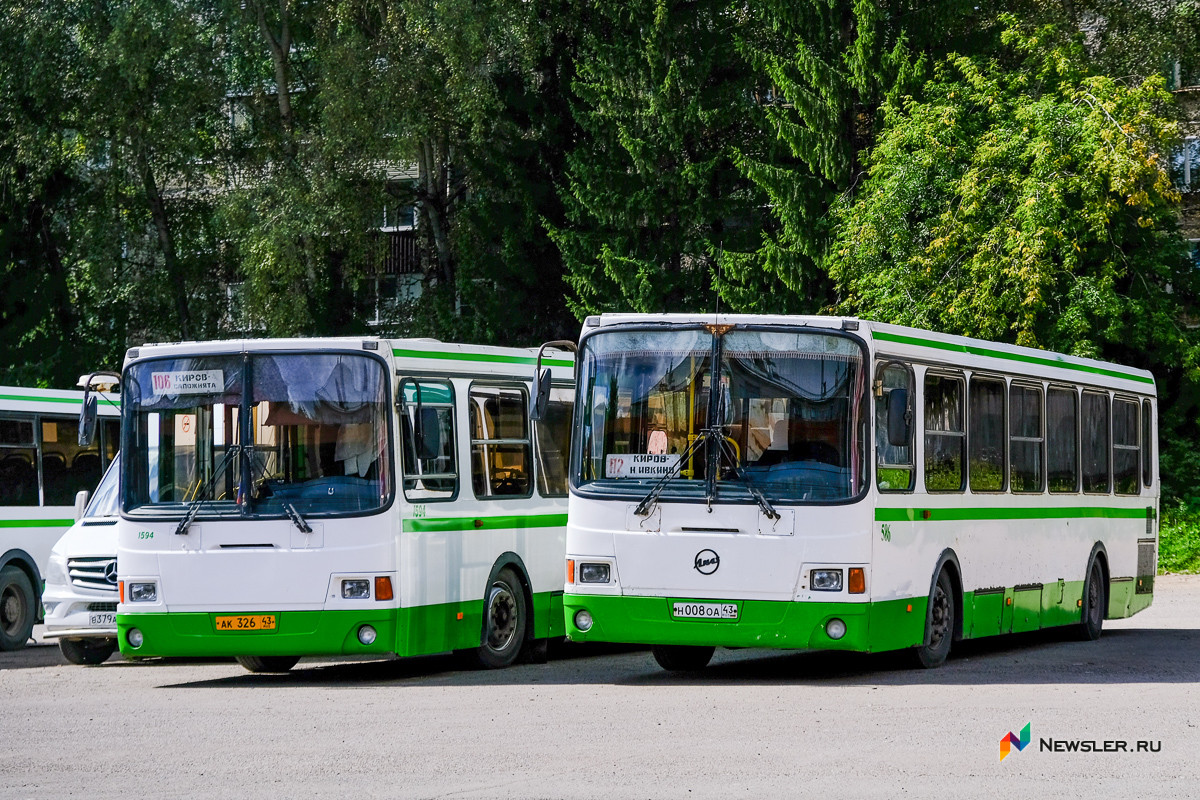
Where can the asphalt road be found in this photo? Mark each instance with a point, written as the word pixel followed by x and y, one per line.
pixel 607 722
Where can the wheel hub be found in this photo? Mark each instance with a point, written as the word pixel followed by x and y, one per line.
pixel 502 618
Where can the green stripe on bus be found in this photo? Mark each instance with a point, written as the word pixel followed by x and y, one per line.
pixel 428 524
pixel 975 350
pixel 27 399
pixel 36 523
pixel 959 514
pixel 483 357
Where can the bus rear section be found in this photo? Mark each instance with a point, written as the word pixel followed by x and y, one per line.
pixel 308 497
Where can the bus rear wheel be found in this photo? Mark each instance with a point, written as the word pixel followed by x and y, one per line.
pixel 939 625
pixel 268 663
pixel 505 617
pixel 1092 619
pixel 87 652
pixel 17 608
pixel 682 657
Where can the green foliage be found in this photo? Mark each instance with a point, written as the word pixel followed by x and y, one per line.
pixel 652 193
pixel 1028 204
pixel 1179 539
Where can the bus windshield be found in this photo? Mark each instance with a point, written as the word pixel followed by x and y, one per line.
pixel 785 407
pixel 256 435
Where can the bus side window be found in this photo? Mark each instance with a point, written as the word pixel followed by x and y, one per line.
pixel 945 437
pixel 430 472
pixel 1096 434
pixel 1025 439
pixel 1062 440
pixel 1148 443
pixel 553 432
pixel 894 470
pixel 18 463
pixel 500 446
pixel 987 435
pixel 1125 455
pixel 66 467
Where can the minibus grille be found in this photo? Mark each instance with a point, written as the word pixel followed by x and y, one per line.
pixel 95 572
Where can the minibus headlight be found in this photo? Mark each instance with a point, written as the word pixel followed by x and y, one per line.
pixel 594 573
pixel 583 620
pixel 143 592
pixel 826 580
pixel 356 589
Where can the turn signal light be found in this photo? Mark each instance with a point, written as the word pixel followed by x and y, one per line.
pixel 856 581
pixel 383 587
pixel 121 590
pixel 570 570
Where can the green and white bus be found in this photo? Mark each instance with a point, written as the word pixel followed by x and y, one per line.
pixel 832 483
pixel 42 470
pixel 294 497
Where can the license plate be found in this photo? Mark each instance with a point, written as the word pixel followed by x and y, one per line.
pixel 704 610
pixel 246 622
pixel 104 618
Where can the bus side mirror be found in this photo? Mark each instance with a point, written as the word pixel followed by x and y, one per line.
pixel 428 433
pixel 899 427
pixel 87 420
pixel 541 401
pixel 81 498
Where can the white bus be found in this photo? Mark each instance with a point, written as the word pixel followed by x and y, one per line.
pixel 830 483
pixel 42 469
pixel 285 498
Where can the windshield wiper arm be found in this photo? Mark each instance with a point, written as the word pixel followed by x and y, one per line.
pixel 755 492
pixel 296 519
pixel 194 507
pixel 643 508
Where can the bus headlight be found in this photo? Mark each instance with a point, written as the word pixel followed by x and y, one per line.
pixel 825 580
pixel 366 634
pixel 143 592
pixel 135 638
pixel 835 628
pixel 594 573
pixel 356 589
pixel 583 620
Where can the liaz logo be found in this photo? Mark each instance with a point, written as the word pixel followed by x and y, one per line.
pixel 707 562
pixel 1010 740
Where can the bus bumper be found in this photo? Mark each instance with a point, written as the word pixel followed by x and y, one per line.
pixel 869 627
pixel 296 633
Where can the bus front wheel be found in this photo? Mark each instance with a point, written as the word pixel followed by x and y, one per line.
pixel 505 616
pixel 939 625
pixel 682 657
pixel 18 607
pixel 87 652
pixel 268 663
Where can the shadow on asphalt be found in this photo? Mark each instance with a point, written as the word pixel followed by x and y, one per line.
pixel 1128 655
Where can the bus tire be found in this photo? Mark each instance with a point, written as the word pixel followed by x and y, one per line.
pixel 939 624
pixel 1091 619
pixel 87 652
pixel 505 617
pixel 682 657
pixel 268 663
pixel 18 608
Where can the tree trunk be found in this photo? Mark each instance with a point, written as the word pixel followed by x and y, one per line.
pixel 166 242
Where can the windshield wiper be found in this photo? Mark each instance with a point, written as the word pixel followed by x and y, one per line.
pixel 194 507
pixel 643 508
pixel 295 517
pixel 741 475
